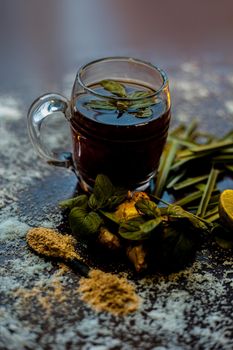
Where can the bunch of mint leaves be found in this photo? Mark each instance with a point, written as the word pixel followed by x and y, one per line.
pixel 171 234
pixel 137 103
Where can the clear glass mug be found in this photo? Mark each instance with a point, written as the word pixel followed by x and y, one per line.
pixel 125 146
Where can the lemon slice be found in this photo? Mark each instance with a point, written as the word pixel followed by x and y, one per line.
pixel 226 208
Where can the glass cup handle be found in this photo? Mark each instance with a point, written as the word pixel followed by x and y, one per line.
pixel 43 107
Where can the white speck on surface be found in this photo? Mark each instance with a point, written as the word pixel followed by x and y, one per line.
pixel 229 106
pixel 9 108
pixel 190 67
pixel 191 90
pixel 11 229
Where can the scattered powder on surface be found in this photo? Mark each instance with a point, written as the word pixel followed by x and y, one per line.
pixel 45 295
pixel 12 228
pixel 10 108
pixel 229 106
pixel 49 242
pixel 107 292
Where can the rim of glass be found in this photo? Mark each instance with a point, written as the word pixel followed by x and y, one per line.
pixel 118 58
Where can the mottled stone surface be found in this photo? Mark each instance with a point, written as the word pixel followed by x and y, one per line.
pixel 188 310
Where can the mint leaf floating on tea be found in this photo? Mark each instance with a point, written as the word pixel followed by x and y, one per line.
pixel 114 87
pixel 136 103
pixel 138 94
pixel 101 104
pixel 144 113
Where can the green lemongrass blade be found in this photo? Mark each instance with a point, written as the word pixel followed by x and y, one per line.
pixel 181 142
pixel 153 196
pixel 229 167
pixel 223 159
pixel 201 187
pixel 213 147
pixel 185 161
pixel 165 167
pixel 213 218
pixel 226 151
pixel 168 159
pixel 178 130
pixel 211 212
pixel 175 179
pixel 189 199
pixel 184 154
pixel 190 182
pixel 191 129
pixel 208 192
pixel 210 206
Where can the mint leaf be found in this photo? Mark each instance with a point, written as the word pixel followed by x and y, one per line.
pixel 103 190
pixel 174 247
pixel 83 222
pixel 137 105
pixel 138 228
pixel 144 113
pixel 114 87
pixel 100 104
pixel 147 207
pixel 138 94
pixel 79 201
pixel 175 212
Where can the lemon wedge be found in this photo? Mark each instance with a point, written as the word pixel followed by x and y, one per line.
pixel 226 208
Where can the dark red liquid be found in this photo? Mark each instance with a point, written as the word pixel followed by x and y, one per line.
pixel 126 149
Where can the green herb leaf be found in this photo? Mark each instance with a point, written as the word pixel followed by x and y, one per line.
pixel 176 212
pixel 189 182
pixel 138 94
pixel 83 222
pixel 138 229
pixel 175 247
pixel 137 105
pixel 148 208
pixel 114 87
pixel 100 104
pixel 103 190
pixel 110 216
pixel 79 201
pixel 144 113
pixel 115 200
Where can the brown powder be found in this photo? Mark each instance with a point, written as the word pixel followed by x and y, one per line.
pixel 49 242
pixel 46 296
pixel 107 292
pixel 103 291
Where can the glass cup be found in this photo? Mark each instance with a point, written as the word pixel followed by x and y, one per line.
pixel 123 141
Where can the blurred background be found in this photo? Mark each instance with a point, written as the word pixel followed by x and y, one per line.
pixel 44 40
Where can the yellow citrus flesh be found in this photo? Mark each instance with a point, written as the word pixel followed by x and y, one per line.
pixel 226 208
